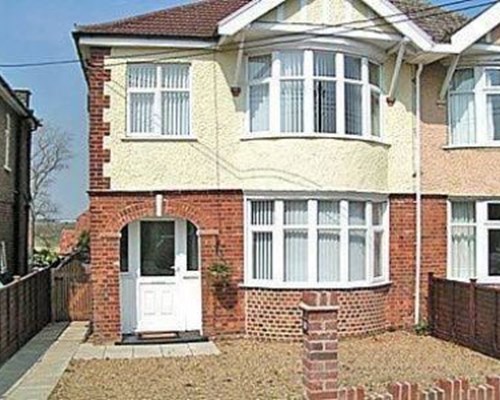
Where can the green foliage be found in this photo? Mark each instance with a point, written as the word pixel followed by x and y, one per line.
pixel 83 245
pixel 422 328
pixel 220 273
pixel 44 257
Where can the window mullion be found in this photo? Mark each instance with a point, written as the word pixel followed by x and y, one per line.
pixel 157 109
pixel 370 248
pixel 482 134
pixel 344 241
pixel 312 241
pixel 278 238
pixel 308 92
pixel 339 66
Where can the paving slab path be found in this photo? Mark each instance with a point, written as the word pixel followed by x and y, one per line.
pixel 33 372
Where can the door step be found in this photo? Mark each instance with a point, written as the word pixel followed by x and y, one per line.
pixel 163 338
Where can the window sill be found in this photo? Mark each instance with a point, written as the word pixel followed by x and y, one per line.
pixel 472 146
pixel 318 286
pixel 159 139
pixel 258 136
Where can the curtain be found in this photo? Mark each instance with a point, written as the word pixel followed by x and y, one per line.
pixel 141 112
pixel 463 240
pixel 259 108
pixel 352 68
pixel 259 67
pixel 325 106
pixel 328 256
pixel 357 254
pixel 377 254
pixel 292 63
pixel 175 113
pixel 292 106
pixel 324 63
pixel 295 212
pixel 141 76
pixel 357 212
pixel 262 212
pixel 494 116
pixel 328 212
pixel 296 255
pixel 462 107
pixel 353 109
pixel 175 76
pixel 262 255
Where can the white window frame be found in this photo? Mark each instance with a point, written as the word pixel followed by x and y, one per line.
pixel 3 257
pixel 482 136
pixel 7 137
pixel 308 79
pixel 157 111
pixel 278 229
pixel 482 225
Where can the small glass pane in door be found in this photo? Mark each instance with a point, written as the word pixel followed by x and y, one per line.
pixel 494 252
pixel 158 248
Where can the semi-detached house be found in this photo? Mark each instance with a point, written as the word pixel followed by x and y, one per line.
pixel 347 145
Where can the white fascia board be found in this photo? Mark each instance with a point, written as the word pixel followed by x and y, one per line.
pixel 324 31
pixel 144 42
pixel 406 27
pixel 476 29
pixel 246 15
pixel 7 96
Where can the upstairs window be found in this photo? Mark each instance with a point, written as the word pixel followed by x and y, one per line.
pixel 474 106
pixel 314 92
pixel 159 100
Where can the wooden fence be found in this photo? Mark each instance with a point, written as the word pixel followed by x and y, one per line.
pixel 465 313
pixel 24 310
pixel 71 291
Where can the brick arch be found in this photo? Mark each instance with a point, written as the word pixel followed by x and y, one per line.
pixel 141 209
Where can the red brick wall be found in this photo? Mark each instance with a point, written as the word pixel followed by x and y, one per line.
pixel 275 313
pixel 69 237
pixel 218 215
pixel 97 102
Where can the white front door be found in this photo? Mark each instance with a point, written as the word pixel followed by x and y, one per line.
pixel 166 285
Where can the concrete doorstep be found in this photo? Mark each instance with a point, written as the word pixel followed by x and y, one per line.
pixel 33 372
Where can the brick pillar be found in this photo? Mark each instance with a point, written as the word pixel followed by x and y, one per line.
pixel 319 360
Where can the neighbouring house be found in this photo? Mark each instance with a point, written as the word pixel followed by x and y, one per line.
pixel 242 152
pixel 17 122
pixel 69 237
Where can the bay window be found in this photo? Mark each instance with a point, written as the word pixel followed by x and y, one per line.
pixel 159 99
pixel 474 106
pixel 315 242
pixel 313 92
pixel 474 240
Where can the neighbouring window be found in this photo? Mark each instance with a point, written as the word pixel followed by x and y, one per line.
pixel 7 138
pixel 463 239
pixel 325 241
pixel 3 257
pixel 159 99
pixel 192 248
pixel 314 91
pixel 475 240
pixel 474 106
pixel 124 250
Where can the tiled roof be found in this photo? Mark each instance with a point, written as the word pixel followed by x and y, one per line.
pixel 199 20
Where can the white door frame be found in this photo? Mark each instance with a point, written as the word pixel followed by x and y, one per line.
pixel 187 293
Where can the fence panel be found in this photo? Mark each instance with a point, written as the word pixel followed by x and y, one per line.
pixel 71 292
pixel 465 313
pixel 25 310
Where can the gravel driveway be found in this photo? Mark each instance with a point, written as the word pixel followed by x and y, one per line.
pixel 262 370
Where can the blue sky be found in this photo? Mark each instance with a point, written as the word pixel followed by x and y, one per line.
pixel 34 30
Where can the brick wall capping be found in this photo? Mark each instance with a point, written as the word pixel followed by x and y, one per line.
pixel 307 307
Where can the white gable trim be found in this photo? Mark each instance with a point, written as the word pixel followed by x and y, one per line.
pixel 476 29
pixel 144 42
pixel 257 8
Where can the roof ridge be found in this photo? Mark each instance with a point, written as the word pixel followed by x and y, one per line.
pixel 147 14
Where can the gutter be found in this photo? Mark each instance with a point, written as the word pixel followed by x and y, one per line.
pixel 418 193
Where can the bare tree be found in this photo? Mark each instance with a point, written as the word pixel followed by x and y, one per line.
pixel 50 155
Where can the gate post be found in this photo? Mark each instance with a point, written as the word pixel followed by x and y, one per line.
pixel 319 360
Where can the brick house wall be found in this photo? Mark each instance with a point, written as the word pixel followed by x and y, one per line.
pixel 15 189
